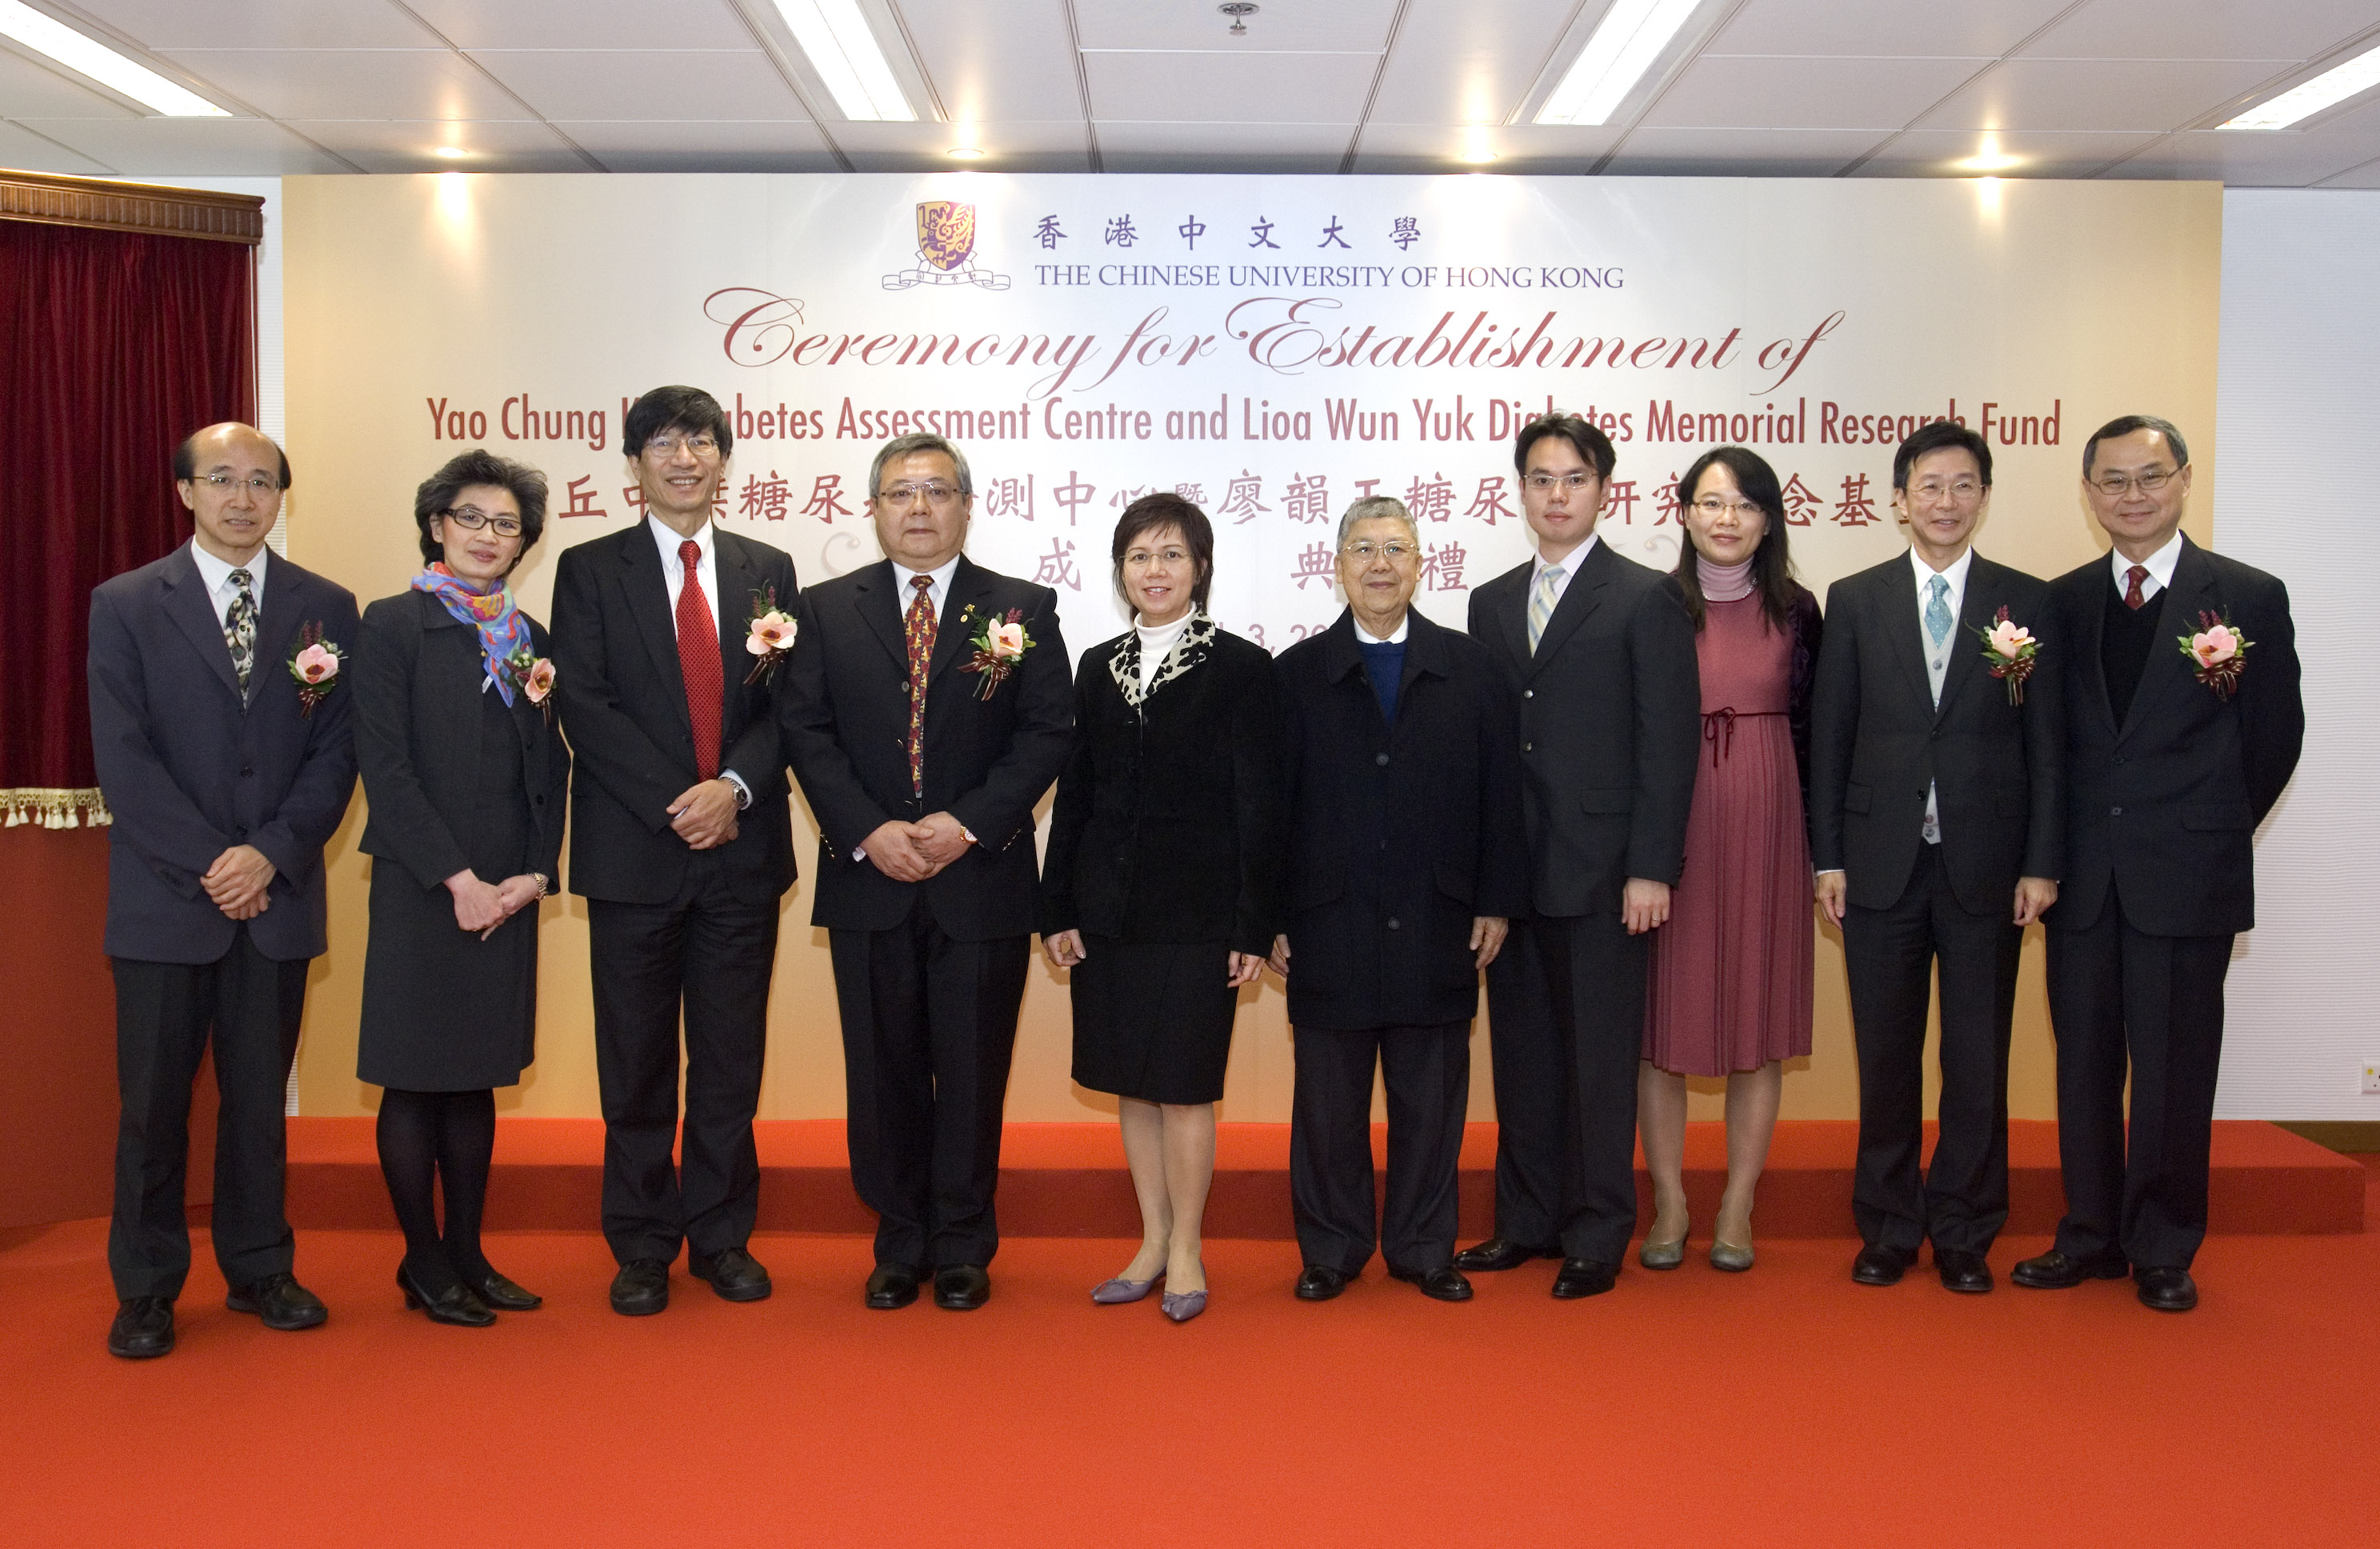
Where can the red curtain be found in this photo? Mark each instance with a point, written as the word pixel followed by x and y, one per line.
pixel 113 347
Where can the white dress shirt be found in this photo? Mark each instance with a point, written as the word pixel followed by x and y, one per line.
pixel 938 594
pixel 705 572
pixel 1395 636
pixel 1937 657
pixel 2160 567
pixel 1569 563
pixel 221 588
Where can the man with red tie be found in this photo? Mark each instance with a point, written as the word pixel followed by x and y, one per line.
pixel 681 842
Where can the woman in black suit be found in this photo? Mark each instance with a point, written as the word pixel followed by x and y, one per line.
pixel 1160 887
pixel 464 776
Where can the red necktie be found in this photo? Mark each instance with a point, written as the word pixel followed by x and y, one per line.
pixel 920 629
pixel 2137 574
pixel 697 658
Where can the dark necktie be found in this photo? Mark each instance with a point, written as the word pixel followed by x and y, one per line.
pixel 918 627
pixel 699 660
pixel 239 628
pixel 2133 579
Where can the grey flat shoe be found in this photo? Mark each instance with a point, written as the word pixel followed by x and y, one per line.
pixel 1735 1258
pixel 1116 1292
pixel 1662 1256
pixel 1182 1307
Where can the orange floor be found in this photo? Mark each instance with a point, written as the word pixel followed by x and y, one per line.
pixel 1783 1406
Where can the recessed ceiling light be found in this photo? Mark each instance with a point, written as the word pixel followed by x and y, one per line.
pixel 2333 85
pixel 1990 157
pixel 451 152
pixel 846 55
pixel 1626 41
pixel 89 56
pixel 965 154
pixel 1479 158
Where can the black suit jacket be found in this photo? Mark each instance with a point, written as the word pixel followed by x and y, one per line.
pixel 2166 805
pixel 1169 822
pixel 189 769
pixel 419 672
pixel 844 708
pixel 1399 838
pixel 1610 724
pixel 623 698
pixel 1877 742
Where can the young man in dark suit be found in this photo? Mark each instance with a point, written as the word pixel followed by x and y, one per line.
pixel 1937 824
pixel 226 779
pixel 1600 653
pixel 680 840
pixel 2174 760
pixel 927 706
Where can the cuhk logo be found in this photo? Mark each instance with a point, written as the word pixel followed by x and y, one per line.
pixel 945 250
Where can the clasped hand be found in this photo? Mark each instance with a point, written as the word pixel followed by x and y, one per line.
pixel 236 883
pixel 914 851
pixel 483 906
pixel 704 814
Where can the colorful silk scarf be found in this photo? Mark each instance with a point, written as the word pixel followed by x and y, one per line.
pixel 502 628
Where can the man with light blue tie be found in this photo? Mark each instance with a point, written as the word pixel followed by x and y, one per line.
pixel 1937 832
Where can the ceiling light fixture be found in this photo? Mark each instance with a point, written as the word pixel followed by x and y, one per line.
pixel 966 152
pixel 1626 43
pixel 847 57
pixel 1239 11
pixel 44 36
pixel 2333 85
pixel 450 151
pixel 1990 157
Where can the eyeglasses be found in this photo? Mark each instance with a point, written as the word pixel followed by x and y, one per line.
pixel 255 484
pixel 667 445
pixel 2115 486
pixel 1932 490
pixel 1711 507
pixel 1141 560
pixel 474 519
pixel 935 493
pixel 1363 551
pixel 1573 483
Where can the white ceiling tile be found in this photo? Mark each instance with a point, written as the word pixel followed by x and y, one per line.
pixel 1141 146
pixel 2205 30
pixel 1883 27
pixel 1010 146
pixel 350 83
pixel 711 145
pixel 1468 64
pixel 1283 24
pixel 629 24
pixel 2041 152
pixel 27 152
pixel 1656 150
pixel 2248 160
pixel 411 145
pixel 624 85
pixel 161 24
pixel 2365 176
pixel 31 91
pixel 191 147
pixel 1517 147
pixel 989 63
pixel 1748 93
pixel 1214 87
pixel 2094 94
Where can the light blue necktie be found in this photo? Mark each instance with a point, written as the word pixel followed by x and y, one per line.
pixel 1938 611
pixel 1541 605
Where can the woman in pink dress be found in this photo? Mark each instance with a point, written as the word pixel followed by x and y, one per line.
pixel 1730 984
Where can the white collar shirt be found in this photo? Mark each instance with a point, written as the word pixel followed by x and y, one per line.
pixel 221 588
pixel 706 567
pixel 938 594
pixel 1956 575
pixel 1568 564
pixel 1395 636
pixel 2160 567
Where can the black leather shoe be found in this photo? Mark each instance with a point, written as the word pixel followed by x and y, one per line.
pixel 1442 1284
pixel 501 1294
pixel 2055 1271
pixel 962 1288
pixel 144 1328
pixel 1320 1283
pixel 2166 1290
pixel 280 1302
pixel 735 1274
pixel 1583 1277
pixel 1962 1271
pixel 1499 1254
pixel 1879 1265
pixel 890 1286
pixel 641 1288
pixel 457 1304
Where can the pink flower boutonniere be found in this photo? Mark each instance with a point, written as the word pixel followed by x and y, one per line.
pixel 2218 653
pixel 998 646
pixel 314 663
pixel 770 637
pixel 2010 651
pixel 533 676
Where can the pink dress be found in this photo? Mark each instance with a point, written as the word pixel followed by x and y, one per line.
pixel 1731 979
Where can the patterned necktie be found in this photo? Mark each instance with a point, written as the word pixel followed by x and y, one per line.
pixel 919 628
pixel 239 627
pixel 699 660
pixel 1938 611
pixel 2133 577
pixel 1541 605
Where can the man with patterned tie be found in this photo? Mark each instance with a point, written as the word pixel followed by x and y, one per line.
pixel 1937 831
pixel 680 840
pixel 1599 654
pixel 2174 760
pixel 928 704
pixel 225 778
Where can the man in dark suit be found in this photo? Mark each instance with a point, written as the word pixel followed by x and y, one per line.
pixel 2174 760
pixel 1600 654
pixel 225 778
pixel 1935 828
pixel 928 707
pixel 680 840
pixel 1406 872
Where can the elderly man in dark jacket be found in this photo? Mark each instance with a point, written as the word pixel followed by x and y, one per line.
pixel 1405 870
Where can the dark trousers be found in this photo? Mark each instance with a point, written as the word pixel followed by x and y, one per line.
pixel 1429 1075
pixel 1594 976
pixel 2116 993
pixel 1891 955
pixel 1529 1064
pixel 705 956
pixel 165 1014
pixel 928 1024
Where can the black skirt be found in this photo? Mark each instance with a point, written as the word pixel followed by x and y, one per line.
pixel 1153 1019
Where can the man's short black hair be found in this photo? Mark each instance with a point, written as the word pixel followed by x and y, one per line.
pixel 1592 444
pixel 688 410
pixel 1942 435
pixel 2125 424
pixel 186 456
pixel 437 494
